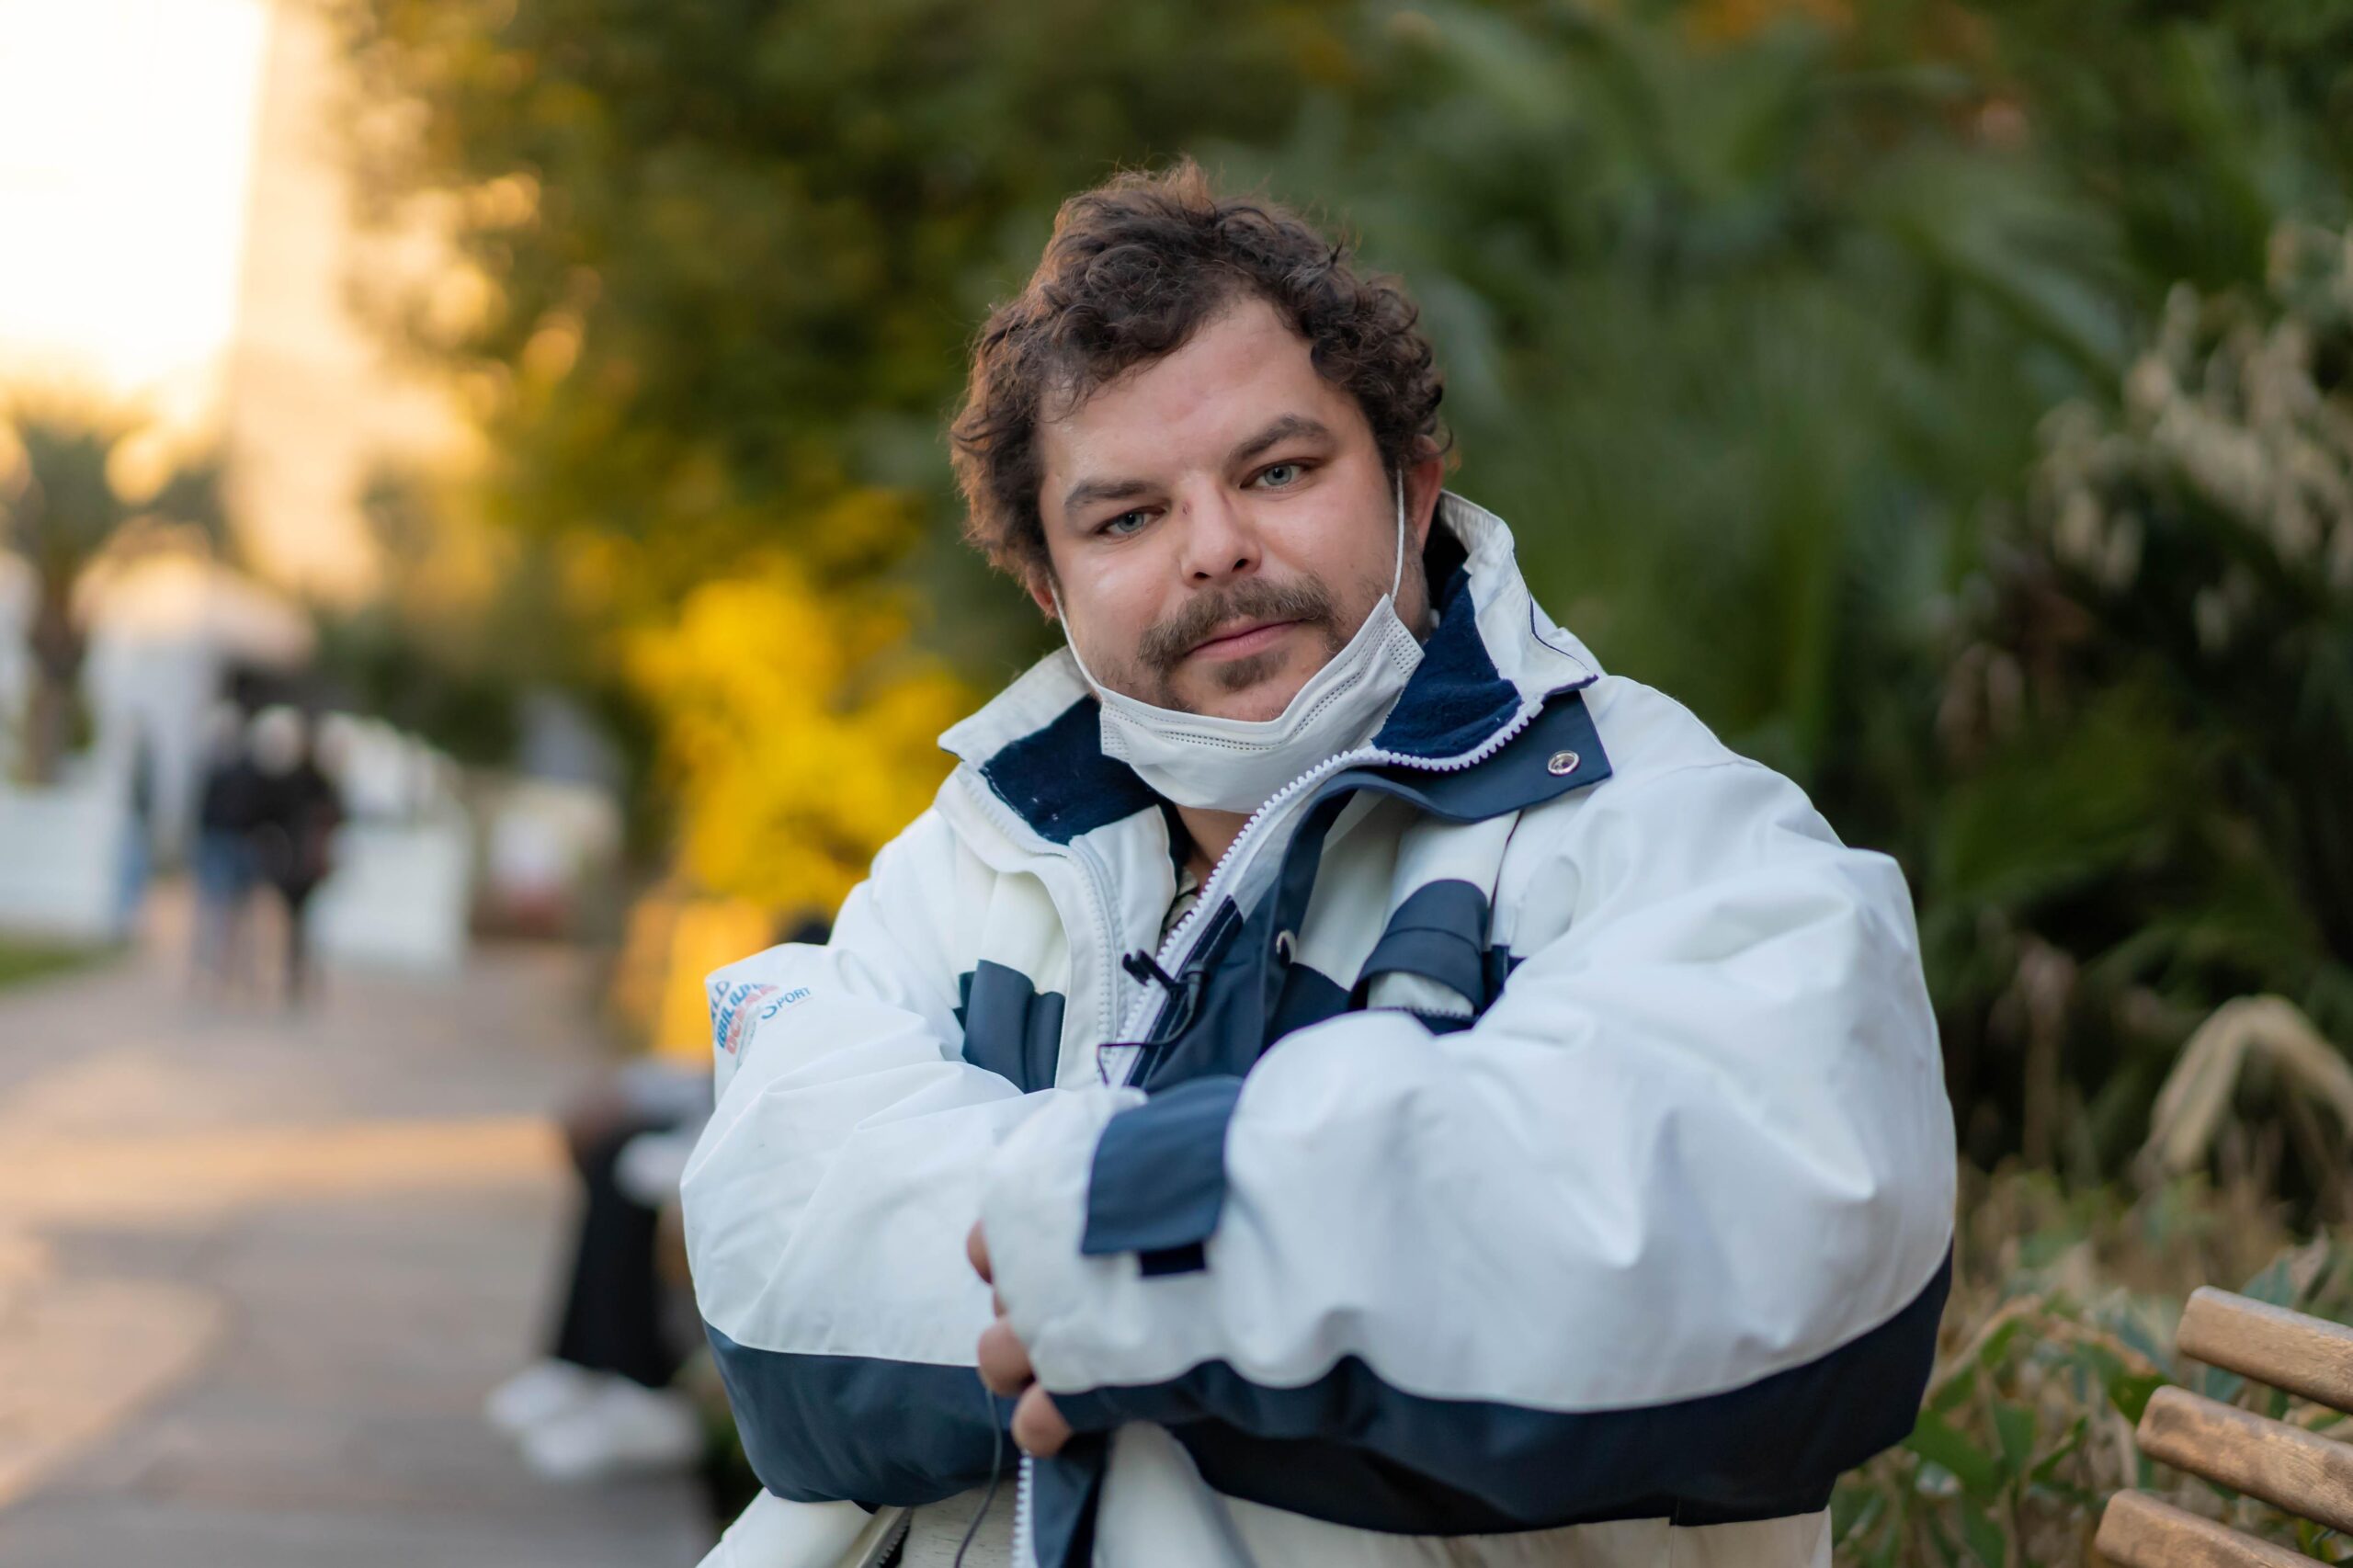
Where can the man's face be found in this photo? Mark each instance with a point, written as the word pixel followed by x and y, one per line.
pixel 1220 523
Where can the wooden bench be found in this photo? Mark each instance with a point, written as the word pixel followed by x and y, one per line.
pixel 2304 1472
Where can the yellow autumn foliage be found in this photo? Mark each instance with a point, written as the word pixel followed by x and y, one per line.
pixel 799 730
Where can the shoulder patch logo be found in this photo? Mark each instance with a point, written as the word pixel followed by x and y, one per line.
pixel 735 1008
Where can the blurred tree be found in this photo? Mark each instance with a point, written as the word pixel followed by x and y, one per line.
pixel 62 509
pixel 725 256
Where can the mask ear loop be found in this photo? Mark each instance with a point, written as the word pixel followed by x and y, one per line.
pixel 1071 641
pixel 1397 572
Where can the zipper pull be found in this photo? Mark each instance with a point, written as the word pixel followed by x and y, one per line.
pixel 1145 969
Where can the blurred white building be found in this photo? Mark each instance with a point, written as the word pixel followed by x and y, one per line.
pixel 312 401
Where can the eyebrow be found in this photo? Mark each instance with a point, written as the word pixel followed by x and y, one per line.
pixel 1088 491
pixel 1282 429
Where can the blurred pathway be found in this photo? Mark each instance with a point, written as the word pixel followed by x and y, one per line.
pixel 256 1274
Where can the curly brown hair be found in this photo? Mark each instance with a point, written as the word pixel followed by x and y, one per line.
pixel 1134 268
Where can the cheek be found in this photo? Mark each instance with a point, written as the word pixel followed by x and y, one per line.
pixel 1331 542
pixel 1115 607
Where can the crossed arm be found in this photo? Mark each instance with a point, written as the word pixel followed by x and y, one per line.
pixel 1705 1126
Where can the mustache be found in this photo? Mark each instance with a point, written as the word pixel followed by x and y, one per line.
pixel 1162 647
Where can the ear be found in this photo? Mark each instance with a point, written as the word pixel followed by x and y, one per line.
pixel 1038 581
pixel 1424 478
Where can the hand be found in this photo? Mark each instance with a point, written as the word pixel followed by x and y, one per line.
pixel 1038 1428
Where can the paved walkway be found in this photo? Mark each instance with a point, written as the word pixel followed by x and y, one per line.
pixel 256 1274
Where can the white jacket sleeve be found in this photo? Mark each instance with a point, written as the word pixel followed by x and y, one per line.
pixel 1671 1219
pixel 827 1201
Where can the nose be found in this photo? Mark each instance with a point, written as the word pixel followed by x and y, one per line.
pixel 1218 540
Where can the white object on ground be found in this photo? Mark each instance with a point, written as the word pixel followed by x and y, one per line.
pixel 60 857
pixel 622 1427
pixel 774 1532
pixel 399 896
pixel 539 1392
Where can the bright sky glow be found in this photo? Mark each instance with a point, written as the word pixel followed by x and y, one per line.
pixel 126 141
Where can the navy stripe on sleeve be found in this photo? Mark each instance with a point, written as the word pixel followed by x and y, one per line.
pixel 856 1429
pixel 1158 1180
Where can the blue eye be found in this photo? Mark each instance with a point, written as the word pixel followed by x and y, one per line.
pixel 1288 474
pixel 1125 523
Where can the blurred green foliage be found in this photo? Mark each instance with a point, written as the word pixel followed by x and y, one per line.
pixel 2151 729
pixel 1753 314
pixel 2196 128
pixel 21 964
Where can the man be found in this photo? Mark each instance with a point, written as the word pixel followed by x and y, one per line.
pixel 1416 1098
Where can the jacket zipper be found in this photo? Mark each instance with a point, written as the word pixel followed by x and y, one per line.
pixel 1025 1539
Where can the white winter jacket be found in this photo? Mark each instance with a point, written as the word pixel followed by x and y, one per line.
pixel 1533 1148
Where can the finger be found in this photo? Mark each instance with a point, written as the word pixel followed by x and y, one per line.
pixel 976 1248
pixel 1003 1359
pixel 1038 1428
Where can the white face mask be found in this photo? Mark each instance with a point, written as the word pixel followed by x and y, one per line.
pixel 1238 765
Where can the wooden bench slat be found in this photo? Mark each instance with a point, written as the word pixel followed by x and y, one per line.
pixel 2304 1356
pixel 2300 1471
pixel 2139 1532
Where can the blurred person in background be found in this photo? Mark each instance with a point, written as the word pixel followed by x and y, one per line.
pixel 1363 1085
pixel 296 811
pixel 138 835
pixel 228 801
pixel 599 1403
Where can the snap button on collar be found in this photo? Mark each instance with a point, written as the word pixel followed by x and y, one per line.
pixel 1562 765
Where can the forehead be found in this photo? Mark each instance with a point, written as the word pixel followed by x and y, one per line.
pixel 1241 369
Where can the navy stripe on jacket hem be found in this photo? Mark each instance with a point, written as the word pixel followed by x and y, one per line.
pixel 1352 1450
